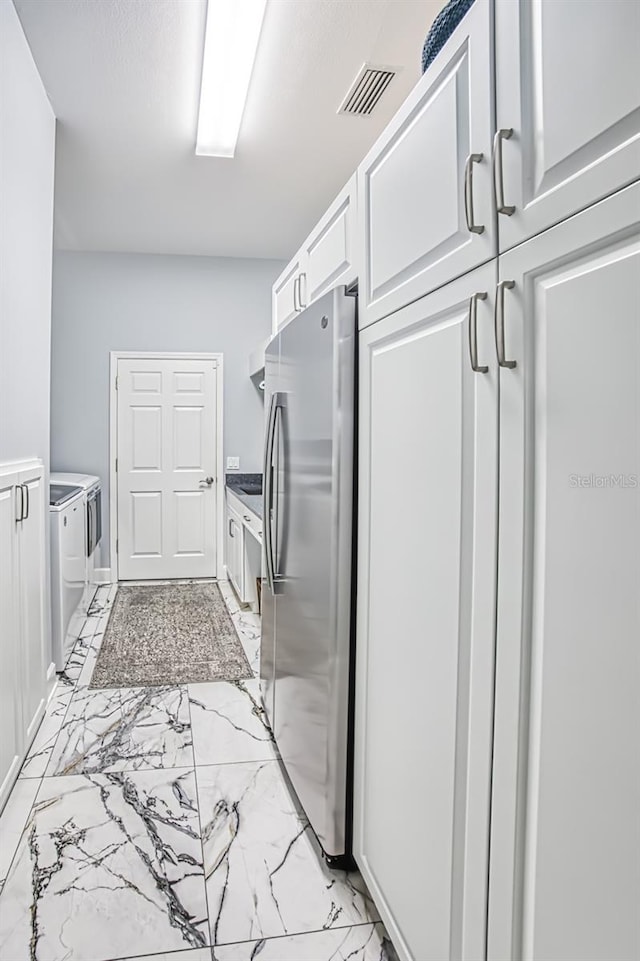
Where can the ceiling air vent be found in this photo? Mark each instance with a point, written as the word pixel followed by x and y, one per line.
pixel 366 90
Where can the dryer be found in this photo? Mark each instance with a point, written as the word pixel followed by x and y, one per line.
pixel 92 493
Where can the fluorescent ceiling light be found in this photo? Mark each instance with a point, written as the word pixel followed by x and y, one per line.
pixel 230 46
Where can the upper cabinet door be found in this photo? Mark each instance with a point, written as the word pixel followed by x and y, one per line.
pixel 565 835
pixel 568 86
pixel 325 260
pixel 425 210
pixel 329 251
pixel 285 294
pixel 426 617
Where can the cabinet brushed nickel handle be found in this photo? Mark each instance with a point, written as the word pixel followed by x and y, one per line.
pixel 473 331
pixel 499 322
pixel 295 295
pixel 247 518
pixel 230 526
pixel 303 274
pixel 20 513
pixel 498 176
pixel 472 227
pixel 28 506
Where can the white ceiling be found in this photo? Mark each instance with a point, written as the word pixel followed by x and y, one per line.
pixel 123 78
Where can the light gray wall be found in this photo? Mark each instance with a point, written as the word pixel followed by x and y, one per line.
pixel 27 143
pixel 27 161
pixel 104 302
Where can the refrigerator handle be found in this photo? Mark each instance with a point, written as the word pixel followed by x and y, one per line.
pixel 268 490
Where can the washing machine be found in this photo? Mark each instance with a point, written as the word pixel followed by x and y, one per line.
pixel 68 567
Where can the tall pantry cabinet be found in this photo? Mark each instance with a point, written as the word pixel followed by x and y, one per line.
pixel 566 772
pixel 426 608
pixel 23 647
pixel 497 780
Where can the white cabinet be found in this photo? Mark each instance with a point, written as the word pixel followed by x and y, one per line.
pixel 326 259
pixel 243 549
pixel 556 746
pixel 568 85
pixel 497 771
pixel 329 251
pixel 565 844
pixel 252 524
pixel 23 573
pixel 426 607
pixel 235 551
pixel 32 576
pixel 285 293
pixel 10 706
pixel 425 209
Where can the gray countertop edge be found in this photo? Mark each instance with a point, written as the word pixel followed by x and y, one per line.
pixel 252 502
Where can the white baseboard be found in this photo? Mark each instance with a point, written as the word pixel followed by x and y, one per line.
pixel 51 672
pixel 102 575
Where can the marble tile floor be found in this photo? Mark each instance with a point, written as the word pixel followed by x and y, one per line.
pixel 154 824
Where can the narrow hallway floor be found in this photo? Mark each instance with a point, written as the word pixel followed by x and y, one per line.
pixel 155 823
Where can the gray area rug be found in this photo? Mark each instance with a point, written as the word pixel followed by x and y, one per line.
pixel 169 634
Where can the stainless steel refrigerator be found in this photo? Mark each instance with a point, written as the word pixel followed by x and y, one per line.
pixel 308 546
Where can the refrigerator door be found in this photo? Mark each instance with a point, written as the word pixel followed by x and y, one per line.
pixel 312 526
pixel 268 638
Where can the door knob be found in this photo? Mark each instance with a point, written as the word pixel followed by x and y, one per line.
pixel 207 482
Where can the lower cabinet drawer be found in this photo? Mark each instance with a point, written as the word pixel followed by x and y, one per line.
pixel 253 523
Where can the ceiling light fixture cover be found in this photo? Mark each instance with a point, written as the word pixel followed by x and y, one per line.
pixel 230 45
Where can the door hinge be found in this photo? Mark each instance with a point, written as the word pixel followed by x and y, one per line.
pixel 116 381
pixel 116 465
pixel 117 545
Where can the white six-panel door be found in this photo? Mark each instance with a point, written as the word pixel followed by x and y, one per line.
pixel 166 451
pixel 565 878
pixel 426 607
